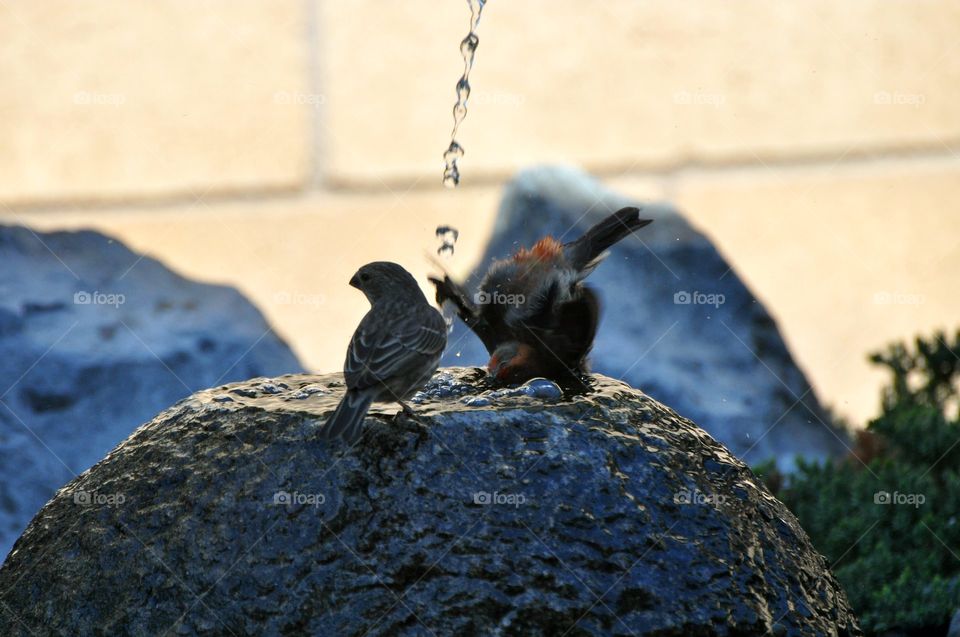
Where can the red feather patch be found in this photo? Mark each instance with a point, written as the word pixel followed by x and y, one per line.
pixel 545 249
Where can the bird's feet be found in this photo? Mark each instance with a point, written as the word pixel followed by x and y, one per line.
pixel 407 411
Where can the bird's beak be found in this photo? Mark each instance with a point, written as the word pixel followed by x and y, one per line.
pixel 355 280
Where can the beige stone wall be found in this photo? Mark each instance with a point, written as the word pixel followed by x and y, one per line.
pixel 106 100
pixel 277 144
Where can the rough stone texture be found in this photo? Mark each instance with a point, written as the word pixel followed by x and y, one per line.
pixel 630 84
pixel 107 100
pixel 77 377
pixel 725 367
pixel 605 514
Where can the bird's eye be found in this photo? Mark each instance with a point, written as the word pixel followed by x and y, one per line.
pixel 364 277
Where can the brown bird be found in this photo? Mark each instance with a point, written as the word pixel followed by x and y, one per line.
pixel 532 311
pixel 394 351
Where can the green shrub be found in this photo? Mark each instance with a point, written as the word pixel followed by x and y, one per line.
pixel 888 517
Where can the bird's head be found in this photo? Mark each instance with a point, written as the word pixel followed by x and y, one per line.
pixel 381 279
pixel 513 362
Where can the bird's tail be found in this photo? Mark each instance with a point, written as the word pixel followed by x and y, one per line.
pixel 346 420
pixel 586 252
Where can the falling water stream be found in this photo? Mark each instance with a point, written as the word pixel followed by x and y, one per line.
pixel 468 47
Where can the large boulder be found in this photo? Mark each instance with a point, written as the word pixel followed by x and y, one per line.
pixel 495 512
pixel 677 321
pixel 96 339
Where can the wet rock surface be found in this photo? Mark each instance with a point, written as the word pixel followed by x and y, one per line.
pixel 96 339
pixel 677 321
pixel 494 512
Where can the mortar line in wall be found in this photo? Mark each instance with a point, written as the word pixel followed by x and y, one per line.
pixel 174 201
pixel 315 82
pixel 682 169
pixel 670 175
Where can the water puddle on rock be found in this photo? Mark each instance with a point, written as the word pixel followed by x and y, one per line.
pixel 468 48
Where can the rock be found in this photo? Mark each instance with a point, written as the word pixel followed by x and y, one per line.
pixel 95 340
pixel 677 321
pixel 602 514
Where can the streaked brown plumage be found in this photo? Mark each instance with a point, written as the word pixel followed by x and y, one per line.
pixel 393 352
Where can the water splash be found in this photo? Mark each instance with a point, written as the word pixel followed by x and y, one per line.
pixel 468 48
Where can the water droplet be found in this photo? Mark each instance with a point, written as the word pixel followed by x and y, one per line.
pixel 451 175
pixel 448 236
pixel 469 44
pixel 454 152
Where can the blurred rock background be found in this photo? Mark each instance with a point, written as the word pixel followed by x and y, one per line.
pixel 275 146
pixel 95 340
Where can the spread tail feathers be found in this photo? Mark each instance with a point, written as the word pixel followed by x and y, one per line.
pixel 604 234
pixel 346 420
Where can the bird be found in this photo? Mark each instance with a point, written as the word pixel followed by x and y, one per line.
pixel 393 352
pixel 532 310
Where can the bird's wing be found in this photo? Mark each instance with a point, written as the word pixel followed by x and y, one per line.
pixel 384 345
pixel 472 315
